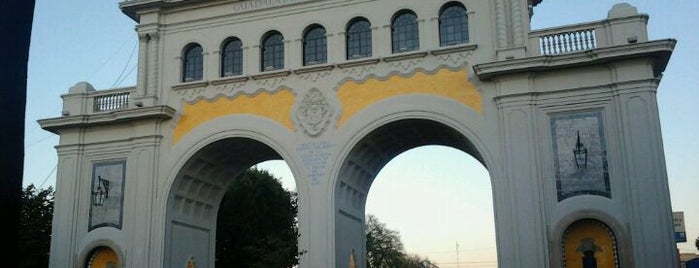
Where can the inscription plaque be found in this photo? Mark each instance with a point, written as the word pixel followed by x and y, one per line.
pixel 315 157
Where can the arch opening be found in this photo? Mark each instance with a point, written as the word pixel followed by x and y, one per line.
pixel 103 257
pixel 365 161
pixel 589 243
pixel 196 194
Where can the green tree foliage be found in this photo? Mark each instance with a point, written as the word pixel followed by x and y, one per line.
pixel 385 250
pixel 257 224
pixel 383 246
pixel 35 226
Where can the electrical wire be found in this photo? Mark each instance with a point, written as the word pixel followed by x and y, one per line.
pixel 119 78
pixel 47 176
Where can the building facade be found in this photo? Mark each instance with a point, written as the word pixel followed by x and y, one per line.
pixel 565 120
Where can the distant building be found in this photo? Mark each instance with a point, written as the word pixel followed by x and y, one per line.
pixel 565 120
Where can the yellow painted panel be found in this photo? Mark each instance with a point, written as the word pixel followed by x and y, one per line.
pixel 273 105
pixel 356 96
pixel 588 229
pixel 104 258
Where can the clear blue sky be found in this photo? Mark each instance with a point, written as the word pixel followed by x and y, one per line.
pixel 88 40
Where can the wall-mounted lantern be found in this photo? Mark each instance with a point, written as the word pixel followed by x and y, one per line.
pixel 101 193
pixel 580 153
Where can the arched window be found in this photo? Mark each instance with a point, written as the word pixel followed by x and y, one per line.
pixel 453 24
pixel 358 39
pixel 314 45
pixel 272 51
pixel 232 57
pixel 192 63
pixel 404 32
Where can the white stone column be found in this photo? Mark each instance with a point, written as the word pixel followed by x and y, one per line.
pixel 143 187
pixel 141 77
pixel 64 239
pixel 520 219
pixel 432 25
pixel 424 34
pixel 512 28
pixel 336 47
pixel 293 53
pixel 153 85
pixel 320 250
pixel 381 41
pixel 339 48
pixel 251 59
pixel 651 226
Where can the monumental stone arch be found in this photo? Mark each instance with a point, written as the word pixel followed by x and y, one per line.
pixel 565 120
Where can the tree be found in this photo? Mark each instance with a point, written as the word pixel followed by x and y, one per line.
pixel 416 261
pixel 35 229
pixel 696 243
pixel 384 248
pixel 257 224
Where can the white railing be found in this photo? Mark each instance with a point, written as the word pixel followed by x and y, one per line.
pixel 111 100
pixel 567 42
pixel 569 39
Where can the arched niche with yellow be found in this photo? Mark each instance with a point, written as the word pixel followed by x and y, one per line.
pixel 103 257
pixel 589 243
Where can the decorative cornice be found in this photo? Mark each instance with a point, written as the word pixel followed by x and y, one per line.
pixel 406 56
pixel 314 68
pixel 271 74
pixel 231 79
pixel 189 85
pixel 453 49
pixel 659 50
pixel 108 118
pixel 361 62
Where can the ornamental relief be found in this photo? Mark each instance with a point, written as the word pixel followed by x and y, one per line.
pixel 229 89
pixel 271 83
pixel 455 59
pixel 359 72
pixel 406 65
pixel 314 112
pixel 314 76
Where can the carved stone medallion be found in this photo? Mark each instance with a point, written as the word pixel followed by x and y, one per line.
pixel 314 112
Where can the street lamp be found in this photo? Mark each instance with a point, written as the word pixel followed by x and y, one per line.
pixel 580 153
pixel 101 193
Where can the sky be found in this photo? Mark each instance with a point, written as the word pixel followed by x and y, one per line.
pixel 88 40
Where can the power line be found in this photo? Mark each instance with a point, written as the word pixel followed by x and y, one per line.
pixel 47 176
pixel 119 78
pixel 32 143
pixel 108 59
pixel 127 75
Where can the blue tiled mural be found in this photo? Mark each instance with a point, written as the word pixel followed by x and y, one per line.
pixel 580 155
pixel 106 195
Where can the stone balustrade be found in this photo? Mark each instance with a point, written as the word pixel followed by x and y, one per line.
pixel 83 99
pixel 624 25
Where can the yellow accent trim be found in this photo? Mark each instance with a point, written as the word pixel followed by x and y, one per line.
pixel 356 96
pixel 273 105
pixel 588 229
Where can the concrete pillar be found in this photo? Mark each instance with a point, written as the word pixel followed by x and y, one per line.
pixel 651 225
pixel 152 86
pixel 517 182
pixel 63 230
pixel 142 189
pixel 142 60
